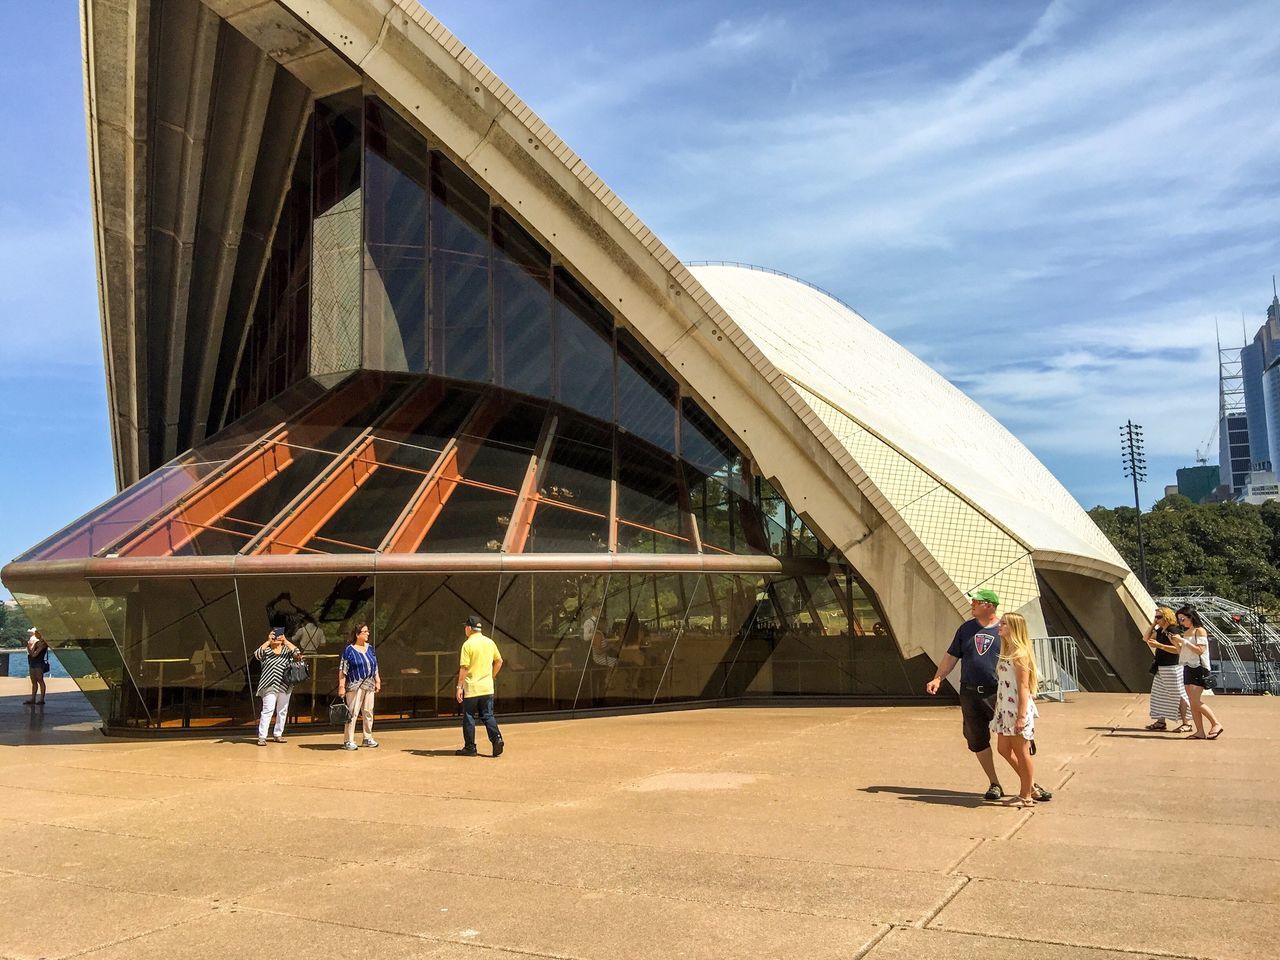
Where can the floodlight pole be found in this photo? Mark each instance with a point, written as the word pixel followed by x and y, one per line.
pixel 1135 465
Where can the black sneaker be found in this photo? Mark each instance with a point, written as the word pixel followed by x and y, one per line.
pixel 497 748
pixel 994 792
pixel 464 752
pixel 1040 794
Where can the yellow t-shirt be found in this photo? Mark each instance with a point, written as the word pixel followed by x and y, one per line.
pixel 478 654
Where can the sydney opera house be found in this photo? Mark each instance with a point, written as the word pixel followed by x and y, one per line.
pixel 381 348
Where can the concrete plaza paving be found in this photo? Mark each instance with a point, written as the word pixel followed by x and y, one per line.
pixel 757 832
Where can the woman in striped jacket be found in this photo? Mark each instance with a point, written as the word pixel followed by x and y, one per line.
pixel 1169 700
pixel 274 655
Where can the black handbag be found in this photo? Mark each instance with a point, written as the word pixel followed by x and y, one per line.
pixel 339 712
pixel 298 671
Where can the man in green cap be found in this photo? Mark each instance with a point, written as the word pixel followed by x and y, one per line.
pixel 976 647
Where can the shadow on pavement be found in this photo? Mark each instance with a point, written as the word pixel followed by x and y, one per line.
pixel 927 795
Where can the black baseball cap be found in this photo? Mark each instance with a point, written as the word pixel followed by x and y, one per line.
pixel 473 622
pixel 279 632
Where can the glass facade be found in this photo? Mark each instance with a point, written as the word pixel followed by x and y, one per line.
pixel 174 652
pixel 431 417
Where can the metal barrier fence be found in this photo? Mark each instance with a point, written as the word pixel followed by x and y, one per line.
pixel 1057 661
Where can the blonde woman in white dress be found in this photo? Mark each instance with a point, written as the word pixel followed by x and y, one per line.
pixel 1015 718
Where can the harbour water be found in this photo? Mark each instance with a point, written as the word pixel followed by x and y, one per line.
pixel 18 664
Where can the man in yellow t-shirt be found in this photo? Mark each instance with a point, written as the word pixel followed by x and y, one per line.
pixel 477 667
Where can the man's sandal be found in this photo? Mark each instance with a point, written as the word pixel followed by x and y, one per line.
pixel 1157 725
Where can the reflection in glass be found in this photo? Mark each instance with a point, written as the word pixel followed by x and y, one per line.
pixel 395 239
pixel 335 236
pixel 319 614
pixel 75 626
pixel 459 274
pixel 584 348
pixel 181 643
pixel 522 308
pixel 646 395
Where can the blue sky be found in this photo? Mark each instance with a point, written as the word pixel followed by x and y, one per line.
pixel 1053 204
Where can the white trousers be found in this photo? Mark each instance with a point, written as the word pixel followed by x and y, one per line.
pixel 277 703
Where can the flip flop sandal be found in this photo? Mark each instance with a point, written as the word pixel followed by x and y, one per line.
pixel 1216 734
pixel 1196 736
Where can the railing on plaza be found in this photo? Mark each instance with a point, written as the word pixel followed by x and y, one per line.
pixel 1244 647
pixel 1056 660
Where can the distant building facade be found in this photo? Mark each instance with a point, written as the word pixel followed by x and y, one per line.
pixel 1260 373
pixel 1197 483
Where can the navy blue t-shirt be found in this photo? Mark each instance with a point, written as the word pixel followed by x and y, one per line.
pixel 978 649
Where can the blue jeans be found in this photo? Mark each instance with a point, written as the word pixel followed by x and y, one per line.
pixel 484 706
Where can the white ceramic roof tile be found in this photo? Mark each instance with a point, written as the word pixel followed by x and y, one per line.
pixel 836 354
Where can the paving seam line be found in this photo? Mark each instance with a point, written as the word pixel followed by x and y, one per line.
pixel 952 868
pixel 136 936
pixel 1062 885
pixel 721 853
pixel 946 901
pixel 632 892
pixel 1145 952
pixel 874 942
pixel 422 937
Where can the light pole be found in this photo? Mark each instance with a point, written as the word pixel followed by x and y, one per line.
pixel 1135 466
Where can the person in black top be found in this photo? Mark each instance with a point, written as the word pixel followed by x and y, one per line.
pixel 976 647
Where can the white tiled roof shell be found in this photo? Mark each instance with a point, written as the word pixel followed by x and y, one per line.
pixel 830 351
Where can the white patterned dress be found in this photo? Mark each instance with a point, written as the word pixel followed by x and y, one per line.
pixel 1006 717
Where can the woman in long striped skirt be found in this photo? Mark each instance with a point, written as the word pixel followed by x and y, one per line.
pixel 1168 696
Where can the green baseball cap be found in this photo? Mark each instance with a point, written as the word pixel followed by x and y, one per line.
pixel 986 596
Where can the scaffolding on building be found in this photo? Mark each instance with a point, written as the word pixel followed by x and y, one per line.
pixel 1243 647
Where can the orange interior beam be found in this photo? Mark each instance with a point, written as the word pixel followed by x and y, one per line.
pixel 238 480
pixel 427 502
pixel 527 498
pixel 326 499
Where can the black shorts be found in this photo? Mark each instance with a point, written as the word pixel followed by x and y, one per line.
pixel 1197 676
pixel 977 710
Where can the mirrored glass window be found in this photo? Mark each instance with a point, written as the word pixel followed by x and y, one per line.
pixel 522 308
pixel 395 242
pixel 459 274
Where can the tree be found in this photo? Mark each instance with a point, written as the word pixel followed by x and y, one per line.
pixel 13 625
pixel 1223 547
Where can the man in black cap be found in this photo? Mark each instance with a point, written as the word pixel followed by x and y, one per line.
pixel 976 647
pixel 478 665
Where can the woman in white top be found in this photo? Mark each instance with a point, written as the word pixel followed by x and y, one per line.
pixel 1197 672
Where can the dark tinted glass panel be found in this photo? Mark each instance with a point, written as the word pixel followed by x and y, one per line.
pixel 543 627
pixel 418 634
pixel 319 614
pixel 522 308
pixel 276 341
pixel 773 515
pixel 337 149
pixel 502 455
pixel 395 203
pixel 111 521
pixel 649 514
pixel 392 470
pixel 646 395
pixel 721 616
pixel 336 337
pixel 182 646
pixel 474 520
pixel 77 629
pixel 579 470
pixel 584 346
pixel 459 274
